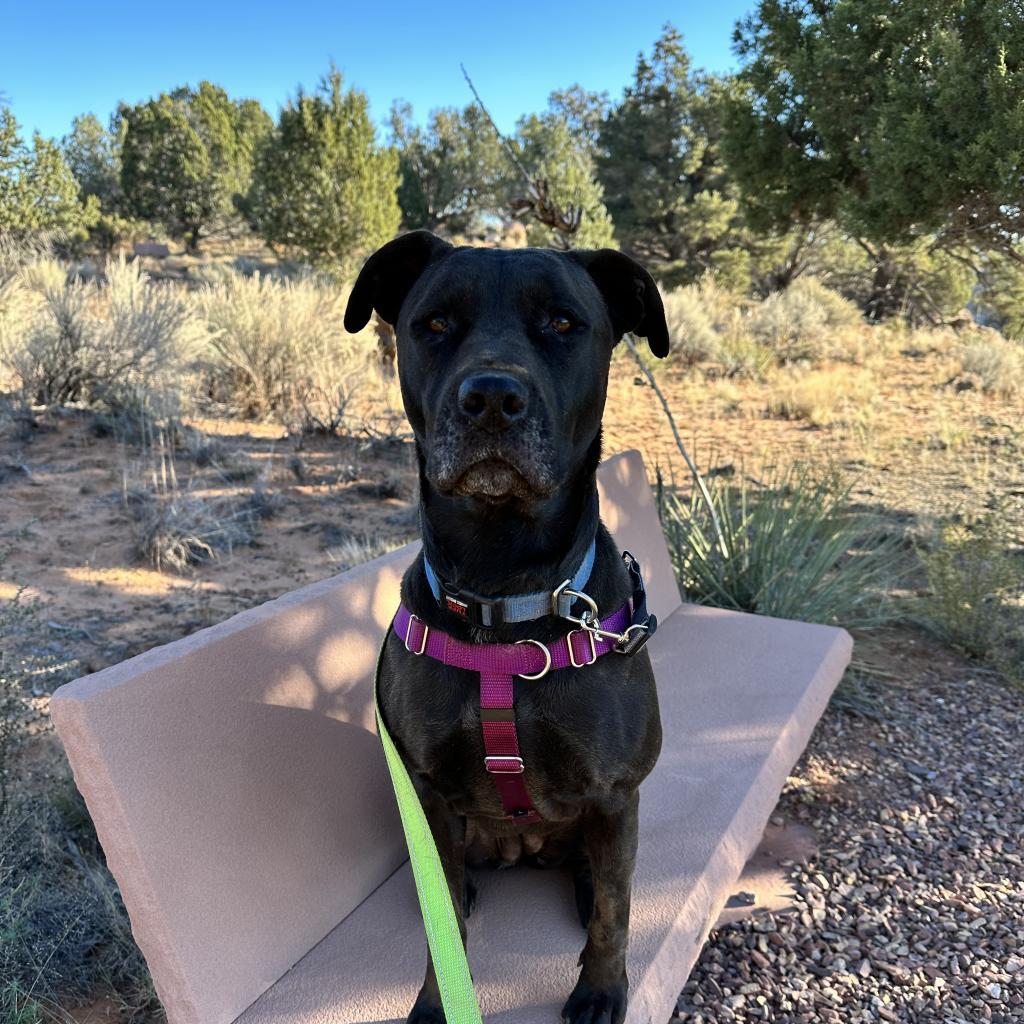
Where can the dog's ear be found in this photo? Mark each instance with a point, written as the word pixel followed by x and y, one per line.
pixel 630 294
pixel 387 276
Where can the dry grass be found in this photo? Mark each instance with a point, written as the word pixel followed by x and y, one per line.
pixel 176 528
pixel 824 397
pixel 354 551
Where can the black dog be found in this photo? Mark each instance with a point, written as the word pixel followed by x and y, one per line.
pixel 503 358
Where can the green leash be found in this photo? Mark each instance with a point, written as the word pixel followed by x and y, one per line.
pixel 439 921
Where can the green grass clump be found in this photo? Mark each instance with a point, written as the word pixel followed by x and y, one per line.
pixel 975 597
pixel 794 549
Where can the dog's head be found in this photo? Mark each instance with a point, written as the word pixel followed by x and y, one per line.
pixel 503 354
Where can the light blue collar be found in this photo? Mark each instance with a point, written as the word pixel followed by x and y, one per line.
pixel 488 612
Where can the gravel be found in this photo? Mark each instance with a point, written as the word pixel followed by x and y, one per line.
pixel 913 909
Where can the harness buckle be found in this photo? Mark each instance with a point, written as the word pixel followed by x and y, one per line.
pixel 517 770
pixel 408 633
pixel 589 634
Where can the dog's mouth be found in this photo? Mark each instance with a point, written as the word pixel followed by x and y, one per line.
pixel 516 465
pixel 492 479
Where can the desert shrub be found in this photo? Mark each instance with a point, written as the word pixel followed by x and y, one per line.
pixel 691 330
pixel 709 323
pixel 279 347
pixel 795 323
pixel 989 361
pixel 90 341
pixel 42 275
pixel 823 397
pixel 742 355
pixel 175 527
pixel 975 596
pixel 795 550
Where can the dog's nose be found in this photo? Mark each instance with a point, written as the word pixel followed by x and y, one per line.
pixel 493 401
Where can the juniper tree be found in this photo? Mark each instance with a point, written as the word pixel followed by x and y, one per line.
pixel 902 121
pixel 552 153
pixel 187 157
pixel 451 170
pixel 38 192
pixel 93 153
pixel 322 186
pixel 665 183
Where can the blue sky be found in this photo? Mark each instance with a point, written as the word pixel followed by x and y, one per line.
pixel 61 59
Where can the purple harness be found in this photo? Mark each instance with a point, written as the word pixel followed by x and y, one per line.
pixel 625 632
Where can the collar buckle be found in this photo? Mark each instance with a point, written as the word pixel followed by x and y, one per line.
pixel 474 608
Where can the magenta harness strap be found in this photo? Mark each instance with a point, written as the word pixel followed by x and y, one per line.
pixel 498 665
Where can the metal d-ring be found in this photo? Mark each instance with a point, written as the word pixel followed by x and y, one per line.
pixel 547 665
pixel 577 595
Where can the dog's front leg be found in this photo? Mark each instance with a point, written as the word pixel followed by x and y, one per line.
pixel 449 832
pixel 610 842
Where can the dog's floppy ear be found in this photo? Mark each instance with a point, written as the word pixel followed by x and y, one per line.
pixel 630 294
pixel 387 276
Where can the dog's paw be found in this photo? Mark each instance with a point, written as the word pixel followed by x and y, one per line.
pixel 589 1005
pixel 425 1012
pixel 469 893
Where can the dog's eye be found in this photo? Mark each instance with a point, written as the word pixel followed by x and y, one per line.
pixel 437 324
pixel 561 323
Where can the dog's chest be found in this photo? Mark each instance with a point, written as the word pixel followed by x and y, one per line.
pixel 578 733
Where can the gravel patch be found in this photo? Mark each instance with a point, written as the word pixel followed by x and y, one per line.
pixel 913 909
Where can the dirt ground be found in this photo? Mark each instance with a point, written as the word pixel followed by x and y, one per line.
pixel 925 450
pixel 919 450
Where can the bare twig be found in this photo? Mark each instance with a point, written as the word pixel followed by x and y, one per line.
pixel 694 472
pixel 564 222
pixel 505 143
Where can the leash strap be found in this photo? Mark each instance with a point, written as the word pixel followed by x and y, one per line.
pixel 498 665
pixel 439 920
